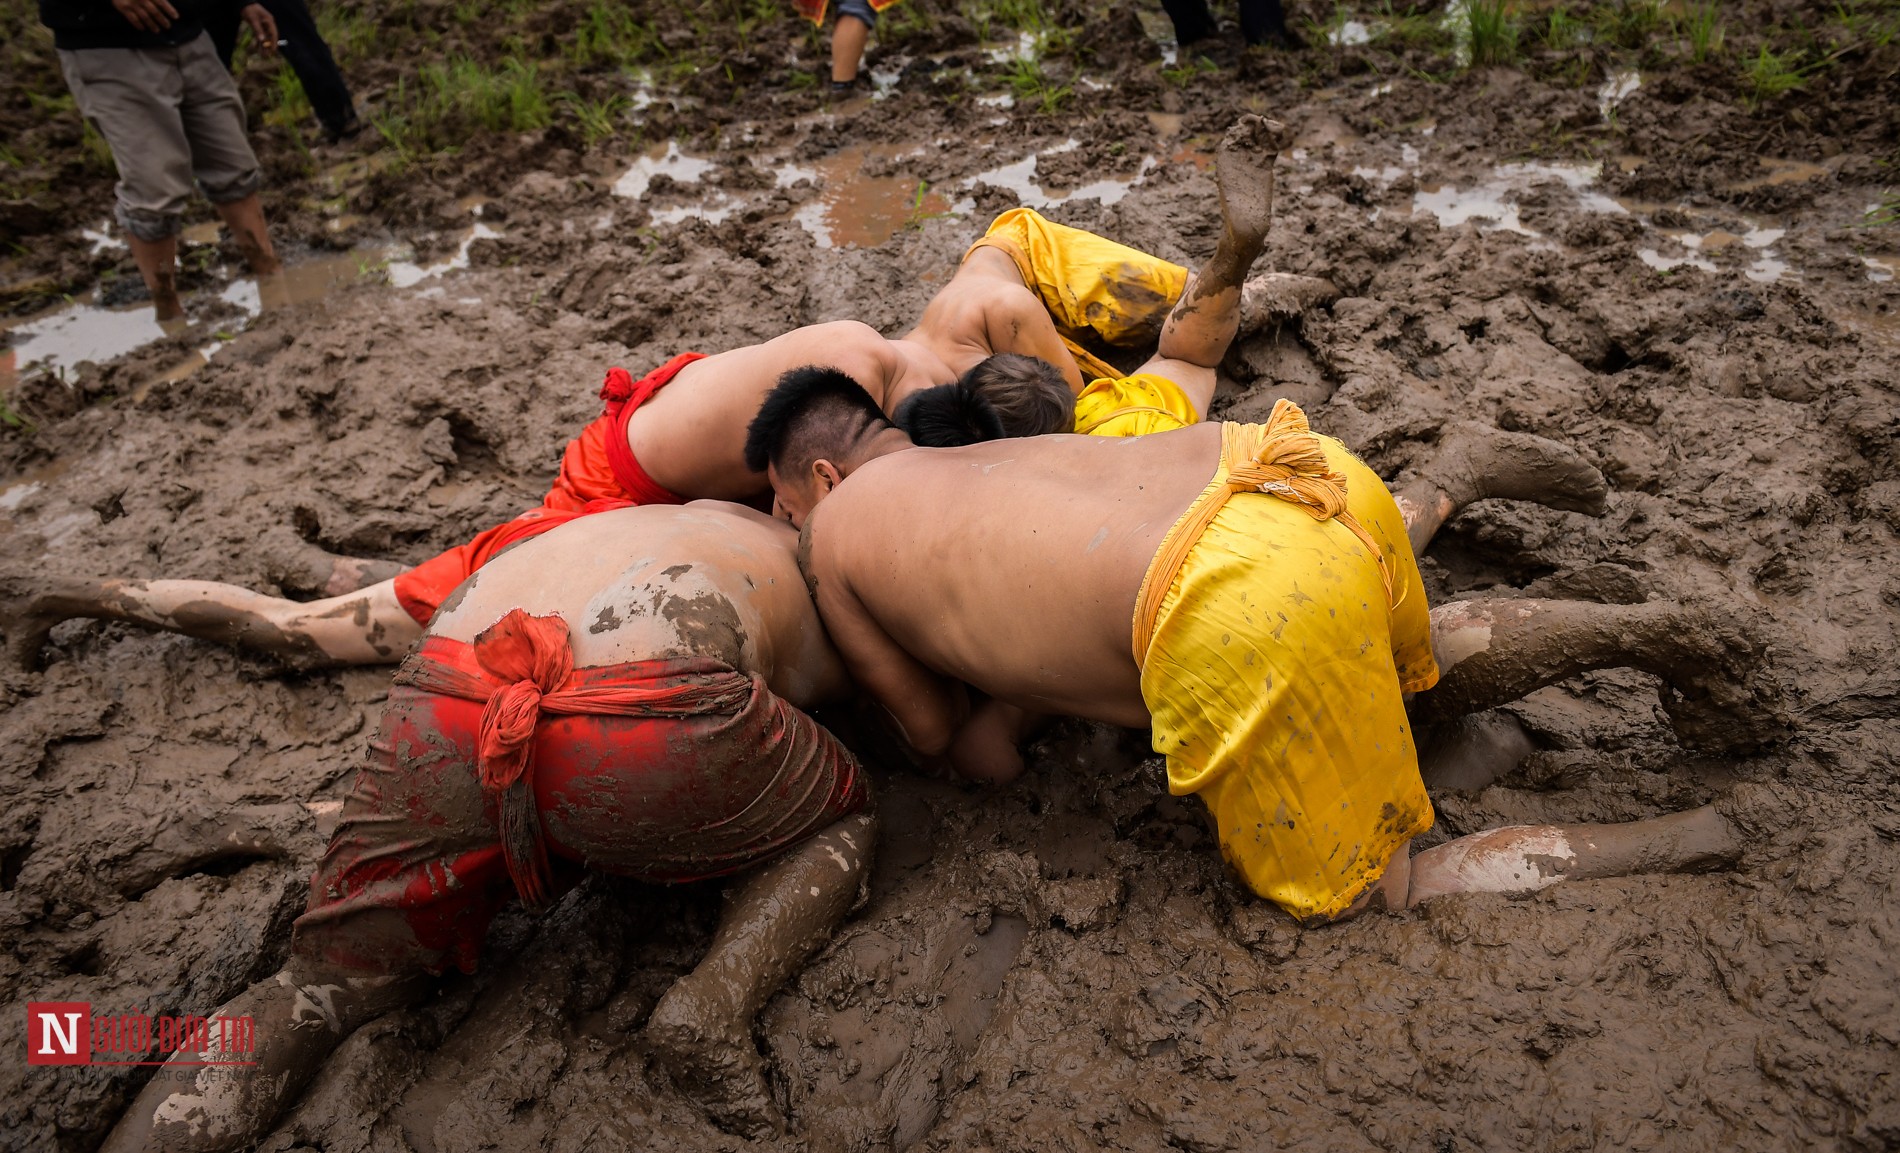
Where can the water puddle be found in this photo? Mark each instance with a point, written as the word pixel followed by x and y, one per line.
pixel 1617 89
pixel 61 339
pixel 1024 47
pixel 1351 32
pixel 854 209
pixel 1780 172
pixel 1880 326
pixel 102 238
pixel 669 161
pixel 1496 199
pixel 83 331
pixel 1656 260
pixel 1020 178
pixel 15 492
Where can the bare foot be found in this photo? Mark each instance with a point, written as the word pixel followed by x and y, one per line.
pixel 1243 167
pixel 1761 811
pixel 1474 461
pixel 1277 297
pixel 1721 695
pixel 303 569
pixel 714 1061
pixel 26 616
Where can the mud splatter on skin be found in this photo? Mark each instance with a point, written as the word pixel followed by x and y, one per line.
pixel 708 625
pixel 606 622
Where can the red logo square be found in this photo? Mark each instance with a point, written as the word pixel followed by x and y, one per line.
pixel 59 1032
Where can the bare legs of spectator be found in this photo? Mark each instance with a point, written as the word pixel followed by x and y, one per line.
pixel 848 37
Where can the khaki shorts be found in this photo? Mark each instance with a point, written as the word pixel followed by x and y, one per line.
pixel 171 115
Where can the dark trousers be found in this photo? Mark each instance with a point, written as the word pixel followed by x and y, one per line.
pixel 1259 19
pixel 304 49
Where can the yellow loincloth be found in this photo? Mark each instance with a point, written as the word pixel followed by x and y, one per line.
pixel 1133 406
pixel 1088 283
pixel 1275 651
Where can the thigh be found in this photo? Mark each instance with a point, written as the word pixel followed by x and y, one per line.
pixel 213 117
pixel 132 97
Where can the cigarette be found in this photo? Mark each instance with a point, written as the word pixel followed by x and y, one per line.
pixel 283 43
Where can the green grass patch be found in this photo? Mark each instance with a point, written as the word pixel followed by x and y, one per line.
pixel 448 103
pixel 1035 88
pixel 1185 73
pixel 1885 214
pixel 609 34
pixel 597 119
pixel 1494 31
pixel 1770 74
pixel 1703 29
pixel 1562 29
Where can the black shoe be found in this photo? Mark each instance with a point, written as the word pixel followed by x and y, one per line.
pixel 1281 37
pixel 335 133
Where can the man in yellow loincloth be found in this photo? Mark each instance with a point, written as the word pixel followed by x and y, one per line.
pixel 1264 624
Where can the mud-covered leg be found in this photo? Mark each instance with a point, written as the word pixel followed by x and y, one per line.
pixel 1473 462
pixel 1204 321
pixel 1526 858
pixel 362 628
pixel 300 1016
pixel 701 1031
pixel 1711 655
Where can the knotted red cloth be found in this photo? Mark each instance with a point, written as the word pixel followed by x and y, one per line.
pixel 527 668
pixel 623 397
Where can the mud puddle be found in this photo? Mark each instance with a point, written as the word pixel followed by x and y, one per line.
pixel 854 209
pixel 62 338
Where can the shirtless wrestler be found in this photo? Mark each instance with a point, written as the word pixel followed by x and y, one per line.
pixel 1278 622
pixel 577 704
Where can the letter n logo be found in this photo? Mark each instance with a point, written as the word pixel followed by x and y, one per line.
pixel 59 1033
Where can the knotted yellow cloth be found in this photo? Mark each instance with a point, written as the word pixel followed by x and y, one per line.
pixel 1282 458
pixel 1275 652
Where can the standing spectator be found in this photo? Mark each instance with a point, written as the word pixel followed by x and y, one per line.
pixel 849 33
pixel 145 74
pixel 1261 22
pixel 309 57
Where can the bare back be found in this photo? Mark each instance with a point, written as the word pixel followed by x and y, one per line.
pixel 1012 566
pixel 705 579
pixel 690 436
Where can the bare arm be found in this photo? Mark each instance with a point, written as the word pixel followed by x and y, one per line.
pixel 1015 321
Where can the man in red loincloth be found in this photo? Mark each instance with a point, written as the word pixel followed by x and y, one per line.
pixel 621 694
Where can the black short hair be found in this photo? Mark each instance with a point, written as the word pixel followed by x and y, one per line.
pixel 948 415
pixel 1027 393
pixel 810 412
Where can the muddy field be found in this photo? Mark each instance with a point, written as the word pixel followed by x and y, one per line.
pixel 1688 281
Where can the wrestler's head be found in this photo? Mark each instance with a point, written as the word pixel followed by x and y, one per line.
pixel 1028 394
pixel 948 415
pixel 816 427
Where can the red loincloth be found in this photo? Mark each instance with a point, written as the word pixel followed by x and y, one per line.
pixel 500 770
pixel 598 472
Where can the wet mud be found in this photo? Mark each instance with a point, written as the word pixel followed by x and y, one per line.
pixel 1059 964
